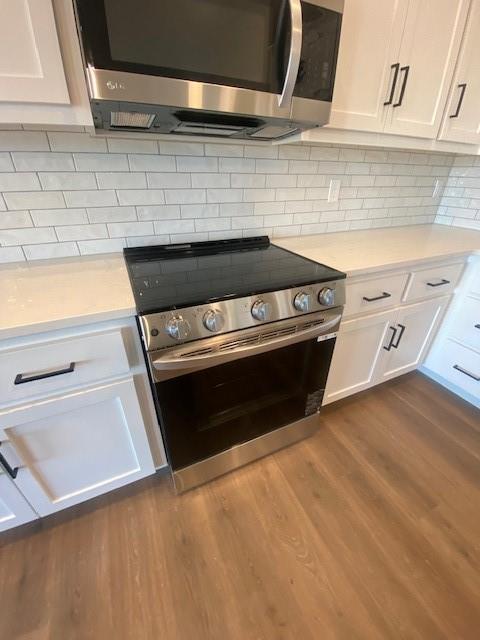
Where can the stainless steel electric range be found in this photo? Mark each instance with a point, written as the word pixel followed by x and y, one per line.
pixel 238 337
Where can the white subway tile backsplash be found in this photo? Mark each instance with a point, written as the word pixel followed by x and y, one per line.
pixel 146 162
pixel 190 164
pixel 82 232
pixel 6 162
pixel 19 182
pixel 121 180
pixel 15 219
pixel 58 217
pixel 49 251
pixel 23 141
pixel 158 212
pixel 54 181
pixel 104 198
pixel 93 194
pixel 100 162
pixel 140 196
pixel 62 141
pixel 125 145
pixel 43 161
pixel 34 200
pixel 9 237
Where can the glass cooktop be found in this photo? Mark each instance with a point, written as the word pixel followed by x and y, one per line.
pixel 165 277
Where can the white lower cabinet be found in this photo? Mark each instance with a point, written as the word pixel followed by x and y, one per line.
pixel 410 335
pixel 75 447
pixel 357 351
pixel 14 509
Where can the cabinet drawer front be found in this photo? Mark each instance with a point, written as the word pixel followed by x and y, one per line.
pixel 436 281
pixel 466 324
pixel 51 366
pixel 369 296
pixel 459 365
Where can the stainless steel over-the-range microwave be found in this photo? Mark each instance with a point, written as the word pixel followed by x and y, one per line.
pixel 259 69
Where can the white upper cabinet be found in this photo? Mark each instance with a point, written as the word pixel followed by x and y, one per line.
pixel 369 46
pixel 430 45
pixel 462 115
pixel 31 67
pixel 396 62
pixel 42 81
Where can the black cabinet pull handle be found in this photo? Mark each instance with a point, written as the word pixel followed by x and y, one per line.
pixel 21 378
pixel 400 336
pixel 404 86
pixel 477 326
pixel 395 66
pixel 392 338
pixel 466 373
pixel 385 294
pixel 438 284
pixel 462 88
pixel 12 471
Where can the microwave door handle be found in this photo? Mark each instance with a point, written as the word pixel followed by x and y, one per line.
pixel 285 99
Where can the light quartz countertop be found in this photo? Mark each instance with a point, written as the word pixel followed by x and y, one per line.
pixel 42 296
pixel 362 252
pixel 54 294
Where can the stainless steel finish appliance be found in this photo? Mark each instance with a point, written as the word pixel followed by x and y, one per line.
pixel 260 69
pixel 238 337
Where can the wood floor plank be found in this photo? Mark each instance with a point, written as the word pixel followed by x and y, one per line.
pixel 369 530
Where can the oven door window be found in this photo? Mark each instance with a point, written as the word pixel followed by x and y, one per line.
pixel 240 43
pixel 214 409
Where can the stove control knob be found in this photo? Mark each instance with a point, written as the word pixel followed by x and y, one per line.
pixel 214 320
pixel 326 297
pixel 178 328
pixel 262 310
pixel 301 302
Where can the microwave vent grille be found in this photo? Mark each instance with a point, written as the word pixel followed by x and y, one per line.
pixel 131 119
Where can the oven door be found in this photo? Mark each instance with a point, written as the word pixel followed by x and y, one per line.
pixel 221 392
pixel 232 56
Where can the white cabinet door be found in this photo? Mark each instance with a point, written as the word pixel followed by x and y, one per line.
pixel 430 45
pixel 414 327
pixel 369 45
pixel 462 116
pixel 357 351
pixel 14 509
pixel 31 67
pixel 75 447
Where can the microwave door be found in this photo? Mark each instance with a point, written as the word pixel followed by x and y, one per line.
pixel 233 56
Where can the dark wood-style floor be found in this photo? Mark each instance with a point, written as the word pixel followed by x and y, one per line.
pixel 370 529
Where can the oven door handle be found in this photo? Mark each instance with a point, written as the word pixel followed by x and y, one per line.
pixel 285 99
pixel 215 357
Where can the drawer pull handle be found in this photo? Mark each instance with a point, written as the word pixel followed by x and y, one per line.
pixel 400 336
pixel 477 326
pixel 396 68
pixel 438 284
pixel 462 88
pixel 392 338
pixel 384 295
pixel 404 86
pixel 22 378
pixel 466 373
pixel 12 471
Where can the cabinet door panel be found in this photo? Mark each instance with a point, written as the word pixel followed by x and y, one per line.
pixel 31 67
pixel 78 446
pixel 14 509
pixel 465 127
pixel 357 352
pixel 369 45
pixel 420 322
pixel 430 45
